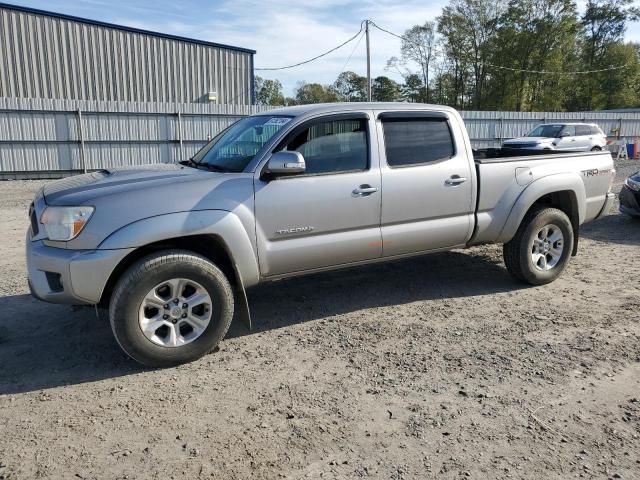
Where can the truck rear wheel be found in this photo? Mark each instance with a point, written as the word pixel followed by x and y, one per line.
pixel 540 249
pixel 171 307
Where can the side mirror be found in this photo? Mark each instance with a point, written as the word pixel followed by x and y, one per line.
pixel 285 163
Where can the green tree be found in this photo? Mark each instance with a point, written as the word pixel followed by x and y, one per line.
pixel 536 35
pixel 523 55
pixel 306 93
pixel 603 26
pixel 469 28
pixel 456 46
pixel 413 88
pixel 384 89
pixel 419 46
pixel 350 87
pixel 268 92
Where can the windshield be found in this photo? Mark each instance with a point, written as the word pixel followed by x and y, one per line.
pixel 549 131
pixel 232 149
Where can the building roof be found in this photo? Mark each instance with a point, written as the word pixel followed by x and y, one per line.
pixel 121 27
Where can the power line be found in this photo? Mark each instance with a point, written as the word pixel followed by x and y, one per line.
pixel 550 72
pixel 316 57
pixel 352 52
pixel 543 72
pixel 391 33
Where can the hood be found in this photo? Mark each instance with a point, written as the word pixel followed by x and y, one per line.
pixel 124 196
pixel 529 140
pixel 80 189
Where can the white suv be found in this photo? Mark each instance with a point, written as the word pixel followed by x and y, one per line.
pixel 561 136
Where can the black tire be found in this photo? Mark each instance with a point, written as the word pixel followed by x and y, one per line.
pixel 596 149
pixel 141 278
pixel 517 252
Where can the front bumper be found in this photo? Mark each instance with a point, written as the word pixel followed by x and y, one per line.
pixel 537 146
pixel 629 202
pixel 75 277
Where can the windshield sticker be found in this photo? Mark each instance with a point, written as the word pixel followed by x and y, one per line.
pixel 277 121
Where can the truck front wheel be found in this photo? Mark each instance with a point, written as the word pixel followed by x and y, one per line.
pixel 540 249
pixel 171 307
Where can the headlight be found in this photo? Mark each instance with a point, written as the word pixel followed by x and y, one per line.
pixel 65 223
pixel 633 184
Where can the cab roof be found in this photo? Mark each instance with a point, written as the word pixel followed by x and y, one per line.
pixel 319 108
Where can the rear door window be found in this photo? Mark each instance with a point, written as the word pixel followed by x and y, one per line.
pixel 583 130
pixel 416 141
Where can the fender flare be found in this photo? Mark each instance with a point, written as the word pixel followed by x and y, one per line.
pixel 223 224
pixel 560 182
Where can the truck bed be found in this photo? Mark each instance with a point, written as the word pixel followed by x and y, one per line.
pixel 504 175
pixel 487 155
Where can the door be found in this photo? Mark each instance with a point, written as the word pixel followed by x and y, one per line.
pixel 427 182
pixel 584 137
pixel 330 214
pixel 567 139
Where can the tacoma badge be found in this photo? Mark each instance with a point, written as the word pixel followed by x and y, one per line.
pixel 286 231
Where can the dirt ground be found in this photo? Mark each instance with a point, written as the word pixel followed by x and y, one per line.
pixel 439 366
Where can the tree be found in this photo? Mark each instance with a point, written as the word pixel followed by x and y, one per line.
pixel 604 22
pixel 413 88
pixel 524 55
pixel 621 88
pixel 418 46
pixel 469 28
pixel 534 36
pixel 456 46
pixel 603 26
pixel 350 87
pixel 314 93
pixel 384 89
pixel 268 92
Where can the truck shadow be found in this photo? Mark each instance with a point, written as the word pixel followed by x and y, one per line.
pixel 436 276
pixel 44 346
pixel 615 228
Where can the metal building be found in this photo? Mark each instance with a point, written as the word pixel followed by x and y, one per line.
pixel 55 56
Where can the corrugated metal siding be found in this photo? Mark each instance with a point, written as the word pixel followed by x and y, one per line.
pixel 47 57
pixel 39 135
pixel 488 129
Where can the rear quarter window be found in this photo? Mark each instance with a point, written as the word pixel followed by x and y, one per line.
pixel 416 141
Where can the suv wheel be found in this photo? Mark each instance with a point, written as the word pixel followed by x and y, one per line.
pixel 171 307
pixel 540 249
pixel 596 149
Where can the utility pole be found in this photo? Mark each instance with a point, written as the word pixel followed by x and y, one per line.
pixel 366 30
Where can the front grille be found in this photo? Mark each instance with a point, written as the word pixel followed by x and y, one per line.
pixel 34 221
pixel 519 145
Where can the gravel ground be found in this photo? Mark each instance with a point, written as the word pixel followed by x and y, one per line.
pixel 440 366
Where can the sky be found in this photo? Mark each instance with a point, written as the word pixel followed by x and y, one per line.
pixel 283 32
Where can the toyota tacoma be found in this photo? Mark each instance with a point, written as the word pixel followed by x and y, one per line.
pixel 171 249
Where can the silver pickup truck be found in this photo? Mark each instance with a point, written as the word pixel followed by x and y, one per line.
pixel 172 248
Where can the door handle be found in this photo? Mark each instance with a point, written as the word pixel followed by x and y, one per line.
pixel 455 180
pixel 364 190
